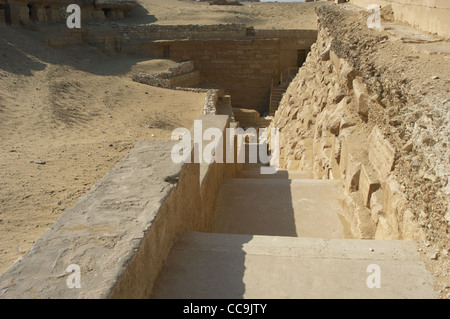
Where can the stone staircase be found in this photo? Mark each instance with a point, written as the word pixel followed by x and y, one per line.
pixel 276 94
pixel 284 236
pixel 277 91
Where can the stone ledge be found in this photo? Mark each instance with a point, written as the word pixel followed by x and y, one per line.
pixel 122 230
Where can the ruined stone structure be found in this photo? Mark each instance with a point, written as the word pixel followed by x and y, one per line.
pixel 23 12
pixel 181 75
pixel 344 118
pixel 243 61
pixel 357 160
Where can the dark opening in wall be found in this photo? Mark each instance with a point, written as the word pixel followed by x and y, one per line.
pixel 301 57
pixel 5 14
pixel 32 12
pixel 107 12
pixel 48 13
pixel 166 52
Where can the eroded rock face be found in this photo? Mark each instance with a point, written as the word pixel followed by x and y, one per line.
pixel 359 111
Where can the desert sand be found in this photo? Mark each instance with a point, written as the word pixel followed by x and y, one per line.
pixel 68 116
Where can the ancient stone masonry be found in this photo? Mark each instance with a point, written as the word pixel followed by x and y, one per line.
pixel 234 57
pixel 181 75
pixel 24 12
pixel 350 115
pixel 164 32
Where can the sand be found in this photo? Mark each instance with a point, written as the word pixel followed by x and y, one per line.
pixel 258 14
pixel 68 116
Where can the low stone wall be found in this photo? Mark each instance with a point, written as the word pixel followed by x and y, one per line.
pixel 174 32
pixel 232 31
pixel 191 79
pixel 180 75
pixel 120 233
pixel 427 15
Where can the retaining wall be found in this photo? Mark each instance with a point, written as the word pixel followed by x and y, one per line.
pixel 244 68
pixel 122 230
pixel 347 115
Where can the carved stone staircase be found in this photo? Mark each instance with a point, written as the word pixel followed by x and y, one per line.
pixel 284 236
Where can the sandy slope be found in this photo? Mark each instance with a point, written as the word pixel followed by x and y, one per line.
pixel 80 113
pixel 260 15
pixel 79 123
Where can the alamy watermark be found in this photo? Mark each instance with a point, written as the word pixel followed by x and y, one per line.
pixel 374 279
pixel 74 18
pixel 74 279
pixel 193 146
pixel 374 19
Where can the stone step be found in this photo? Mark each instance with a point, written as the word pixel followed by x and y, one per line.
pixel 208 265
pixel 281 207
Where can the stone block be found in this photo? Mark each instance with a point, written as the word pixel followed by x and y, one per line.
pixel 343 156
pixel 351 182
pixel 376 205
pixel 368 183
pixel 361 98
pixel 358 216
pixel 335 61
pixel 381 153
pixel 347 73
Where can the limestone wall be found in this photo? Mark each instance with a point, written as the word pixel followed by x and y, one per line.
pixel 122 230
pixel 180 75
pixel 174 32
pixel 427 15
pixel 230 31
pixel 349 115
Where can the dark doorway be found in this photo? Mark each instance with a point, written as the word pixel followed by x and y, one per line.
pixel 48 14
pixel 107 12
pixel 166 52
pixel 32 12
pixel 301 57
pixel 5 13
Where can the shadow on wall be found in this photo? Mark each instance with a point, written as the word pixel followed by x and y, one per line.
pixel 214 265
pixel 22 48
pixel 22 53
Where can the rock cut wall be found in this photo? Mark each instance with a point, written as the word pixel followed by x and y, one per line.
pixel 358 111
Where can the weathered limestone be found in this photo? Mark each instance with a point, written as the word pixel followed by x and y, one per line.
pixel 368 183
pixel 22 12
pixel 122 230
pixel 361 98
pixel 381 153
pixel 181 75
pixel 324 123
